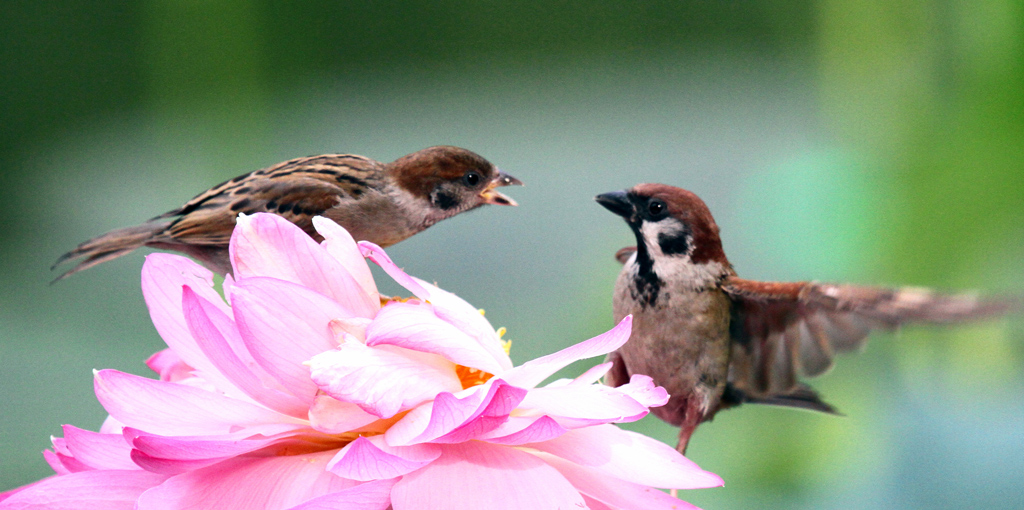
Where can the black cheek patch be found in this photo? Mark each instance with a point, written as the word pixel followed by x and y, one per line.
pixel 674 244
pixel 444 200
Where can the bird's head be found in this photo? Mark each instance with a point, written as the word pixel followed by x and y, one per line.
pixel 674 229
pixel 451 180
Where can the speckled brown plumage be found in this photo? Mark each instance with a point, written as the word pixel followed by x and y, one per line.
pixel 377 202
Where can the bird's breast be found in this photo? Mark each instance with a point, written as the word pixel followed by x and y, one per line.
pixel 681 340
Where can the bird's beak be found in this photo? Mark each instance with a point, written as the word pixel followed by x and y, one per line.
pixel 492 196
pixel 616 202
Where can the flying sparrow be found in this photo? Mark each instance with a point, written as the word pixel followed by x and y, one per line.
pixel 376 202
pixel 715 341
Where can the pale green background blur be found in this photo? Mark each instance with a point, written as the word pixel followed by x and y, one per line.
pixel 875 141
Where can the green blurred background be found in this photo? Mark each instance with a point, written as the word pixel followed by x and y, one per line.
pixel 875 141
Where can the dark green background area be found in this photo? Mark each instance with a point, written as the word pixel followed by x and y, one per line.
pixel 876 141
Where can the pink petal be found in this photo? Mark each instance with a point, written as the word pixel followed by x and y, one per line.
pixel 332 416
pixel 522 430
pixel 532 373
pixel 374 495
pixel 247 483
pixel 56 463
pixel 63 463
pixel 271 246
pixel 500 401
pixel 340 245
pixel 173 455
pixel 414 326
pixel 593 504
pixel 479 475
pixel 93 490
pixel 642 389
pixel 612 491
pixel 283 326
pixel 445 414
pixel 382 380
pixel 447 306
pixel 220 341
pixel 175 409
pixel 169 366
pixel 372 459
pixel 593 374
pixel 111 426
pixel 98 451
pixel 379 257
pixel 163 276
pixel 590 404
pixel 355 326
pixel 629 456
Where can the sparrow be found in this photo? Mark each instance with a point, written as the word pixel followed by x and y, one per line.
pixel 376 202
pixel 714 340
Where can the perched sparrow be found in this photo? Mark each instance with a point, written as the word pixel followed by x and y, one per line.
pixel 377 202
pixel 714 340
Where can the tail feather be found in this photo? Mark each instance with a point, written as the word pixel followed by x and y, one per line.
pixel 110 246
pixel 801 397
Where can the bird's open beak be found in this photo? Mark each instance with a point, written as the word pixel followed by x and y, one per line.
pixel 616 202
pixel 492 196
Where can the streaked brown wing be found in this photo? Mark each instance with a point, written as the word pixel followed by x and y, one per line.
pixel 297 199
pixel 297 189
pixel 784 331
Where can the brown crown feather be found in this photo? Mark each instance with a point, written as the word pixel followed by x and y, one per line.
pixel 691 210
pixel 421 171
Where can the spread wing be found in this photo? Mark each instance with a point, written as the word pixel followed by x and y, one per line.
pixel 784 331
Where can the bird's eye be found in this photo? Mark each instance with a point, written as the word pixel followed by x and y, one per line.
pixel 656 207
pixel 471 178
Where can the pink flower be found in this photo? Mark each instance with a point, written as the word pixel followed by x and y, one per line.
pixel 308 393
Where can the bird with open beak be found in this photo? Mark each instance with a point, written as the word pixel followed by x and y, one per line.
pixel 376 202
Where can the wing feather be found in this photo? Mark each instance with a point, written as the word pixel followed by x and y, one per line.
pixel 784 331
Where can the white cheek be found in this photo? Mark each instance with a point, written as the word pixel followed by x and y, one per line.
pixel 678 267
pixel 653 230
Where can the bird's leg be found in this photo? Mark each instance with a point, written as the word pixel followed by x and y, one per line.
pixel 686 430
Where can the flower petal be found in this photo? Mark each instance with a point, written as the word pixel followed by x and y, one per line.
pixel 500 401
pixel 414 326
pixel 173 455
pixel 95 490
pixel 163 276
pixel 372 459
pixel 98 451
pixel 629 456
pixel 642 389
pixel 613 491
pixel 342 246
pixel 169 366
pixel 175 409
pixel 220 341
pixel 246 483
pixel 481 475
pixel 284 325
pixel 447 306
pixel 332 416
pixel 374 495
pixel 270 246
pixel 454 414
pixel 532 373
pixel 585 405
pixel 522 430
pixel 382 380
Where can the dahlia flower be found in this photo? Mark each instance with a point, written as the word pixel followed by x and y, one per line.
pixel 308 391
